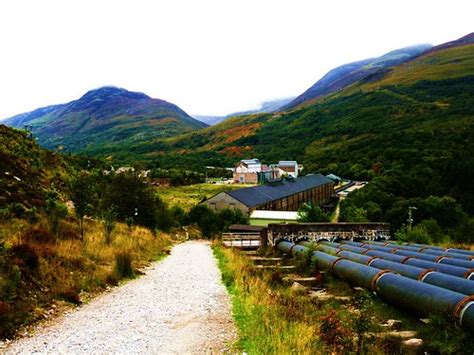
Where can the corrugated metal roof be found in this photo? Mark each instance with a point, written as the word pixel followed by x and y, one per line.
pixel 285 215
pixel 259 195
pixel 287 163
pixel 250 161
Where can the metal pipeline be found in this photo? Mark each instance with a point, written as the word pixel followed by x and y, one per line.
pixel 429 276
pixel 440 264
pixel 425 250
pixel 453 250
pixel 418 297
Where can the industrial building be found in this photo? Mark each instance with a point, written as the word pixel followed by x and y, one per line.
pixel 287 194
pixel 252 171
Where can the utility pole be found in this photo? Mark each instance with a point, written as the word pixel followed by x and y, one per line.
pixel 410 217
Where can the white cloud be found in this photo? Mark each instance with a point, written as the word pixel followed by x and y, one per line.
pixel 207 56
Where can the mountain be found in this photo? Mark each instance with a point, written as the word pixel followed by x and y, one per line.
pixel 347 74
pixel 409 127
pixel 104 117
pixel 265 107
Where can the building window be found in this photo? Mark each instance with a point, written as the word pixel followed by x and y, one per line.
pixel 213 206
pixel 232 206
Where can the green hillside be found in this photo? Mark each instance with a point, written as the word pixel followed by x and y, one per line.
pixel 105 118
pixel 26 173
pixel 410 129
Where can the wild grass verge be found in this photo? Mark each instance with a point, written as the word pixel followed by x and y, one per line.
pixel 38 269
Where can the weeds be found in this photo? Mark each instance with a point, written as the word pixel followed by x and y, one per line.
pixel 123 265
pixel 38 267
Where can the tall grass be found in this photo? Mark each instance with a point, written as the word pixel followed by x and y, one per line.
pixel 64 267
pixel 269 319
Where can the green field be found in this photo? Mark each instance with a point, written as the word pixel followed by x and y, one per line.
pixel 190 195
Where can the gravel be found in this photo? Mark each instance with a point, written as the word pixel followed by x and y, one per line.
pixel 178 306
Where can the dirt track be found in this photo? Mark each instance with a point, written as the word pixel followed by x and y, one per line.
pixel 179 306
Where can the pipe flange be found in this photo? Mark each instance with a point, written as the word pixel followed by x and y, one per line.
pixel 441 257
pixel 394 250
pixel 468 273
pixel 406 259
pixel 371 260
pixel 461 307
pixel 365 252
pixel 333 264
pixel 421 277
pixel 377 277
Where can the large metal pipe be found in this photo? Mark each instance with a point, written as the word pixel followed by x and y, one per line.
pixel 429 276
pixel 421 298
pixel 441 264
pixel 453 250
pixel 424 250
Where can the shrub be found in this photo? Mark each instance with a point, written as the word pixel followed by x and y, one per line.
pixel 39 235
pixel 55 211
pixel 311 213
pixel 108 221
pixel 71 295
pixel 123 265
pixel 333 331
pixel 28 256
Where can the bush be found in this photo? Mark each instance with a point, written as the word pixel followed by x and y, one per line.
pixel 27 255
pixel 311 213
pixel 212 223
pixel 39 235
pixel 108 221
pixel 123 265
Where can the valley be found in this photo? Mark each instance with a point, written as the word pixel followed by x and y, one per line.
pixel 94 193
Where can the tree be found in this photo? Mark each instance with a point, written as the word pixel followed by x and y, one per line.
pixel 135 201
pixel 55 210
pixel 311 213
pixel 81 190
pixel 108 220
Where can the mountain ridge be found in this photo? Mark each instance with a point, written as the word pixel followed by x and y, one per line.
pixel 347 74
pixel 106 114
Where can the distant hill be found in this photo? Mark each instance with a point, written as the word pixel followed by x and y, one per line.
pixel 265 107
pixel 104 117
pixel 347 74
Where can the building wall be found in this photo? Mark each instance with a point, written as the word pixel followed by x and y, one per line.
pixel 245 178
pixel 222 201
pixel 318 196
pixel 252 168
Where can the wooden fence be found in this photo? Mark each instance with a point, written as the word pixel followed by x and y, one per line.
pixel 242 240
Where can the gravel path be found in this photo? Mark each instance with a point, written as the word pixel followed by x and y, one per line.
pixel 179 306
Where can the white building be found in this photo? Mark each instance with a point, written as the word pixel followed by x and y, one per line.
pixel 288 168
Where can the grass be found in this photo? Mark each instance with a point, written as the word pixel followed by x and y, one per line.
pixel 190 195
pixel 272 319
pixel 35 274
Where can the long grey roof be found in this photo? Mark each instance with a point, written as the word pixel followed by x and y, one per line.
pixel 258 195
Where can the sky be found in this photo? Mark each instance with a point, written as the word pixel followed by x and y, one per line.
pixel 210 57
